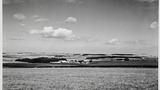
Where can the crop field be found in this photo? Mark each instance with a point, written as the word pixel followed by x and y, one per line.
pixel 80 79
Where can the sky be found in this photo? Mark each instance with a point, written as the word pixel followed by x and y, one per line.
pixel 81 26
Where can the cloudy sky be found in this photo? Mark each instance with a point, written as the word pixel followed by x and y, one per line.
pixel 81 26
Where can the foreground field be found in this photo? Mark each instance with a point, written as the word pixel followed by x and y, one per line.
pixel 80 79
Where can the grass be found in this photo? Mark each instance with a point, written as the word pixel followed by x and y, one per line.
pixel 80 78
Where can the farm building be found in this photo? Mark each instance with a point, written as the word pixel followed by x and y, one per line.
pixel 60 61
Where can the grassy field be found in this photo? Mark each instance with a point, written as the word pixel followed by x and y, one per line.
pixel 80 79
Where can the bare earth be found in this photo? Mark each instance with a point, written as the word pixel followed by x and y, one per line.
pixel 80 79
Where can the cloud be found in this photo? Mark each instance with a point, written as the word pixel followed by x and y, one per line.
pixel 90 40
pixel 60 33
pixel 154 25
pixel 41 20
pixel 19 16
pixel 87 39
pixel 71 20
pixel 70 1
pixel 68 20
pixel 128 42
pixel 15 38
pixel 22 24
pixel 35 16
pixel 113 42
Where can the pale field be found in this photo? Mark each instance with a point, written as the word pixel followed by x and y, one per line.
pixel 80 79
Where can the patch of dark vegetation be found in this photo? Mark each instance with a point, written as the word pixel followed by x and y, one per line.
pixel 4 53
pixel 123 54
pixel 151 58
pixel 41 60
pixel 59 55
pixel 10 56
pixel 93 54
pixel 19 53
pixel 97 57
pixel 76 54
pixel 113 57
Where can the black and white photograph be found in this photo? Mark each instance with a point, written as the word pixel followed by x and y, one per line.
pixel 80 44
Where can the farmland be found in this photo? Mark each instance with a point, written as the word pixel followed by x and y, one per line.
pixel 38 60
pixel 42 72
pixel 80 78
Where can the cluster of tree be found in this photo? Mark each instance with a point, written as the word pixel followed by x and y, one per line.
pixel 41 60
pixel 93 54
pixel 124 54
pixel 59 55
pixel 97 57
pixel 76 54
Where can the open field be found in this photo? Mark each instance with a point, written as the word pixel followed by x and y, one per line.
pixel 80 79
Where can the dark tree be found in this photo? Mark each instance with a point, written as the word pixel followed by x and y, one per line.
pixel 126 59
pixel 90 61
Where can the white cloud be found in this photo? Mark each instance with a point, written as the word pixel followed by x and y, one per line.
pixel 41 20
pixel 70 1
pixel 60 33
pixel 35 16
pixel 90 39
pixel 19 16
pixel 71 20
pixel 154 25
pixel 127 42
pixel 113 42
